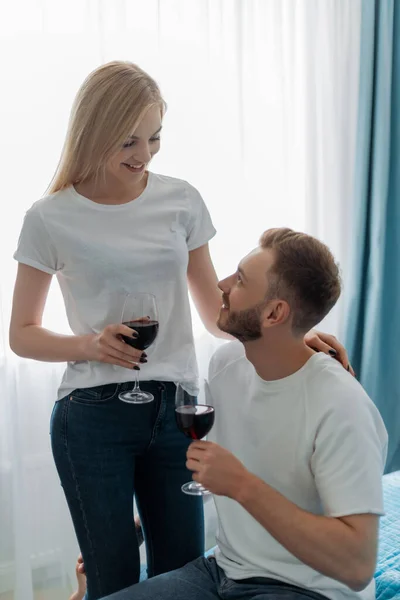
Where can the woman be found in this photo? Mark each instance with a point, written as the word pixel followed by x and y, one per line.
pixel 108 228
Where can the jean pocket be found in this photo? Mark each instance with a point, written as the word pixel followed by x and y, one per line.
pixel 94 395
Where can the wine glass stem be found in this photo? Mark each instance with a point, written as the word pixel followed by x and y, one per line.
pixel 136 387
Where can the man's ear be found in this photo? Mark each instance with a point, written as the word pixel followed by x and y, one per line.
pixel 277 312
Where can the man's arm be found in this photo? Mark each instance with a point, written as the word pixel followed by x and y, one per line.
pixel 342 548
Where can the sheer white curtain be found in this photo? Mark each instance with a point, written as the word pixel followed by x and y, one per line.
pixel 262 99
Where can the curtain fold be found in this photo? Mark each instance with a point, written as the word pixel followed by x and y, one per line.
pixel 253 121
pixel 373 297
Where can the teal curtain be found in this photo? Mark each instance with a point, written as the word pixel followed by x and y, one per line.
pixel 373 289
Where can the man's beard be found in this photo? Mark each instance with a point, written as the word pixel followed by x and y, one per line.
pixel 244 325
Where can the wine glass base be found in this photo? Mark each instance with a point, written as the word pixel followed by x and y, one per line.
pixel 136 397
pixel 195 489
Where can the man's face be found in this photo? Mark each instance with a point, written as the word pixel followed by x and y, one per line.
pixel 244 295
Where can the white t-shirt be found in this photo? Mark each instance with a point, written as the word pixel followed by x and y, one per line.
pixel 101 253
pixel 315 437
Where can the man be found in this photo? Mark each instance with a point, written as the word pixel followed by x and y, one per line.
pixel 297 452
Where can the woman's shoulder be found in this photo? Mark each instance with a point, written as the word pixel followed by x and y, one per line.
pixel 178 190
pixel 49 202
pixel 169 182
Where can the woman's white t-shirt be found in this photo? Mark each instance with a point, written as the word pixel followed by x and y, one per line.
pixel 100 253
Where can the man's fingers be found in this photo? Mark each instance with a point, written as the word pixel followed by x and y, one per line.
pixel 194 454
pixel 192 465
pixel 200 445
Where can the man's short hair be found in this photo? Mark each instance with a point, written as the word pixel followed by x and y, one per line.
pixel 304 274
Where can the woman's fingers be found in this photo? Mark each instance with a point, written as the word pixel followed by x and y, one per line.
pixel 324 342
pixel 124 351
pixel 114 359
pixel 334 344
pixel 320 346
pixel 351 370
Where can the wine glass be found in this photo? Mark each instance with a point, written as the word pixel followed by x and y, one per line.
pixel 195 421
pixel 140 314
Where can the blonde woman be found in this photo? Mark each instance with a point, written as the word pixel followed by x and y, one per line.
pixel 109 227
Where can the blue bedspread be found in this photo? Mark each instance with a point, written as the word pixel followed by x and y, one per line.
pixel 387 574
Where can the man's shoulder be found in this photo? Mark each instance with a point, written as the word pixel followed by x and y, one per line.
pixel 330 389
pixel 226 358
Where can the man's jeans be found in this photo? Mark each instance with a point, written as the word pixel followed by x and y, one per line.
pixel 204 580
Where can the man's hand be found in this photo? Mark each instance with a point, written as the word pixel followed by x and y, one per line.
pixel 216 468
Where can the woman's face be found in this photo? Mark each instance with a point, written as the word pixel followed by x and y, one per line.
pixel 130 163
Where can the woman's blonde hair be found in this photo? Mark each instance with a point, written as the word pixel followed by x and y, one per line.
pixel 107 109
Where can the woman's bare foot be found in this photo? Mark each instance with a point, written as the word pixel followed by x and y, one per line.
pixel 80 567
pixel 81 577
pixel 139 531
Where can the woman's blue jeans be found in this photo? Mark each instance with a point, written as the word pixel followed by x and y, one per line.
pixel 106 452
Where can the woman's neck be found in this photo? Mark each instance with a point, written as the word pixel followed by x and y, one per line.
pixel 111 192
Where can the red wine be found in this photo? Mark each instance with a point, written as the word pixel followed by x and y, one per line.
pixel 147 333
pixel 195 421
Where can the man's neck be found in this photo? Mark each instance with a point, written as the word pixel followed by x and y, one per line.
pixel 279 358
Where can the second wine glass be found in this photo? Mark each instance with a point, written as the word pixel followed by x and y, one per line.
pixel 195 421
pixel 140 314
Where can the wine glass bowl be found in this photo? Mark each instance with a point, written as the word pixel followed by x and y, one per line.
pixel 195 421
pixel 140 314
pixel 146 330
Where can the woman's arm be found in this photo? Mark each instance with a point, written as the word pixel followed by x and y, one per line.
pixel 30 340
pixel 203 287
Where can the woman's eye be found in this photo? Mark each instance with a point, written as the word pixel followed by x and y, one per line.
pixel 133 142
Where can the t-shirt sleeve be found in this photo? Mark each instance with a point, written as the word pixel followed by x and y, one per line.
pixel 349 458
pixel 35 247
pixel 200 228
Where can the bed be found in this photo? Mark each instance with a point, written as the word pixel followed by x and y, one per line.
pixel 387 574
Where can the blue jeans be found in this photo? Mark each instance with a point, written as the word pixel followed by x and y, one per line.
pixel 106 452
pixel 202 579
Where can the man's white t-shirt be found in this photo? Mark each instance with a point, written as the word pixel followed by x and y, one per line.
pixel 315 437
pixel 101 253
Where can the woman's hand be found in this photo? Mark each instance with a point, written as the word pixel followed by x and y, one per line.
pixel 323 342
pixel 109 347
